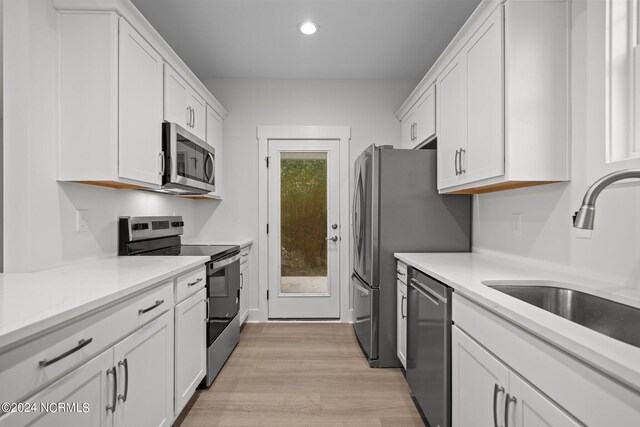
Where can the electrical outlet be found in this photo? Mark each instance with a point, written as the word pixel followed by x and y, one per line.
pixel 517 224
pixel 82 220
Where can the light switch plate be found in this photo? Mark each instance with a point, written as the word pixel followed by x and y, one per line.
pixel 517 224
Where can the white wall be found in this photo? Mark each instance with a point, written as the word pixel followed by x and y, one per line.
pixel 39 213
pixel 367 106
pixel 613 253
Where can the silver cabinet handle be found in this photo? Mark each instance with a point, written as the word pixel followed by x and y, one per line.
pixel 455 162
pixel 157 304
pixel 404 316
pixel 400 273
pixel 81 344
pixel 189 114
pixel 124 363
pixel 241 281
pixel 245 255
pixel 510 399
pixel 114 400
pixel 333 238
pixel 415 131
pixel 194 118
pixel 462 151
pixel 496 389
pixel 206 319
pixel 161 155
pixel 195 283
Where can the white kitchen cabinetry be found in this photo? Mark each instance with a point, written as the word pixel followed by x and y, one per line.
pixel 92 384
pixel 118 81
pixel 190 347
pixel 245 283
pixel 419 123
pixel 110 103
pixel 144 362
pixel 551 388
pixel 512 77
pixel 502 104
pixel 214 139
pixel 183 105
pixel 402 322
pixel 483 386
pixel 470 146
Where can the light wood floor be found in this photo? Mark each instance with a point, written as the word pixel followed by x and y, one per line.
pixel 302 374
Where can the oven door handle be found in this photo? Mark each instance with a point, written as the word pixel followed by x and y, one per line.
pixel 219 264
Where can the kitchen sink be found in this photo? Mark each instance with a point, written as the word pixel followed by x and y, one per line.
pixel 618 321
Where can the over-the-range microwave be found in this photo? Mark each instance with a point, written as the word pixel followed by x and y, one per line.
pixel 189 162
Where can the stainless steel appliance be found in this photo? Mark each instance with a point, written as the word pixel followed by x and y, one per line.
pixel 161 236
pixel 396 208
pixel 429 347
pixel 189 162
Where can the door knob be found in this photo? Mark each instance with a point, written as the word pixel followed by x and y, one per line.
pixel 333 238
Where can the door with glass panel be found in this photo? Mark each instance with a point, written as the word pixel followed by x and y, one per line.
pixel 304 229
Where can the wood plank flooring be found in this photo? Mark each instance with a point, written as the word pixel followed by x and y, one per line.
pixel 301 374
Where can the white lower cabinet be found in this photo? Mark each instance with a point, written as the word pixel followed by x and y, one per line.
pixel 87 393
pixel 485 392
pixel 245 281
pixel 144 362
pixel 401 334
pixel 190 347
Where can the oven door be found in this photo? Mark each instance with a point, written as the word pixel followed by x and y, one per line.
pixel 223 294
pixel 190 161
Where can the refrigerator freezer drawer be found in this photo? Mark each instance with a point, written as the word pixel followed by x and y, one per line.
pixel 365 303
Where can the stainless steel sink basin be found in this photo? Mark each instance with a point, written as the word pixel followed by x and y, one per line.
pixel 610 318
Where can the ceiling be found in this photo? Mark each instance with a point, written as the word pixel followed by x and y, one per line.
pixel 357 39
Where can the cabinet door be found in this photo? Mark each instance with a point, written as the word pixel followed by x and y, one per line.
pixel 89 389
pixel 452 121
pixel 479 383
pixel 214 139
pixel 176 91
pixel 532 409
pixel 190 347
pixel 145 375
pixel 244 292
pixel 426 116
pixel 140 108
pixel 199 120
pixel 406 131
pixel 402 323
pixel 484 156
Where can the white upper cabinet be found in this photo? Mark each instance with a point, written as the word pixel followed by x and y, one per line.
pixel 452 121
pixel 118 82
pixel 502 105
pixel 183 105
pixel 140 108
pixel 484 155
pixel 419 123
pixel 425 122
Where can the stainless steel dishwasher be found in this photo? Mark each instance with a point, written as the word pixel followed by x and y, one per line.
pixel 429 347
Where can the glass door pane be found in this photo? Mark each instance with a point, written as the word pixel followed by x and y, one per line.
pixel 303 223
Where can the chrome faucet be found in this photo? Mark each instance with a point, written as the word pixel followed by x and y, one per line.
pixel 585 215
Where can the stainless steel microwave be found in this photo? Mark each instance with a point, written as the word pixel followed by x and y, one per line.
pixel 189 162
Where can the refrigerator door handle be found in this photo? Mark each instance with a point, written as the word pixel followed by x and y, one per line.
pixel 359 286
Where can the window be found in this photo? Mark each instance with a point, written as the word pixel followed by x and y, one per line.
pixel 622 80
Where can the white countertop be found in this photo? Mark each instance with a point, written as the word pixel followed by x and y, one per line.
pixel 31 303
pixel 465 272
pixel 224 242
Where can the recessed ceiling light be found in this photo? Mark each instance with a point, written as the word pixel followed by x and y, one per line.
pixel 308 28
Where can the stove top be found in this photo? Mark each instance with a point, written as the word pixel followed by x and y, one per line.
pixel 214 251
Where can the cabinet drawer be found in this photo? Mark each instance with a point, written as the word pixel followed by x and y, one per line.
pixel 39 362
pixel 244 255
pixel 190 283
pixel 401 272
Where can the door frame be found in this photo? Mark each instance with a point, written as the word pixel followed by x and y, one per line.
pixel 264 134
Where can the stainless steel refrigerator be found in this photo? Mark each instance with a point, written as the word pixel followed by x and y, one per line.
pixel 396 208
